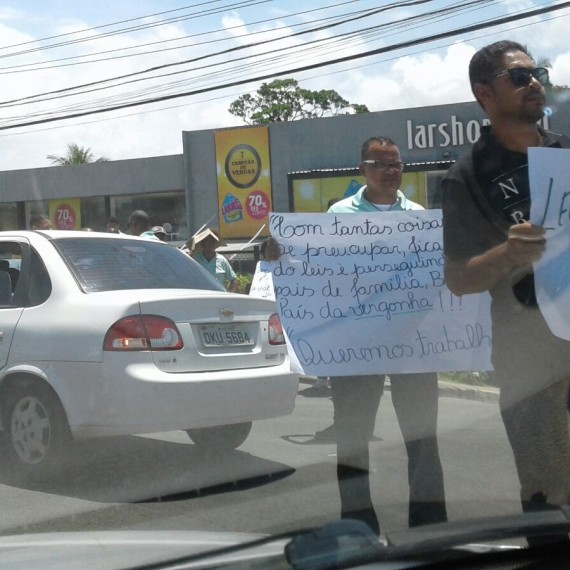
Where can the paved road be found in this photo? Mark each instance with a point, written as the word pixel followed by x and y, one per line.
pixel 280 479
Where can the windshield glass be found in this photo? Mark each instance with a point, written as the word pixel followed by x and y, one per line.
pixel 276 265
pixel 104 265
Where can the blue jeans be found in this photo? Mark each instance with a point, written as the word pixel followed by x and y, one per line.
pixel 415 398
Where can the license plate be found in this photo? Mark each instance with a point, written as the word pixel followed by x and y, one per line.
pixel 225 335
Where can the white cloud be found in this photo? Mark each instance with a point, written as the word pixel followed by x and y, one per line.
pixel 9 13
pixel 435 76
pixel 430 79
pixel 412 81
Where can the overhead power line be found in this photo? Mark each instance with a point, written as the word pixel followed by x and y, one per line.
pixel 108 25
pixel 320 48
pixel 386 49
pixel 193 15
pixel 225 52
pixel 28 67
pixel 239 93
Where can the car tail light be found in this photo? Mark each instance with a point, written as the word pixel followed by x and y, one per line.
pixel 275 332
pixel 143 332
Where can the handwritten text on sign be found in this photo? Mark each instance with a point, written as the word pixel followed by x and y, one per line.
pixel 262 283
pixel 549 173
pixel 365 294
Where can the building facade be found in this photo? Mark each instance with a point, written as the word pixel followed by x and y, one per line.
pixel 309 162
pixel 85 195
pixel 312 161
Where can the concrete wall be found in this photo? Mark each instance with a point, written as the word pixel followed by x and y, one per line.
pixel 116 177
pixel 201 179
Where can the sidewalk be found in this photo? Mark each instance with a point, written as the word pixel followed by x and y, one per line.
pixel 448 389
pixel 468 391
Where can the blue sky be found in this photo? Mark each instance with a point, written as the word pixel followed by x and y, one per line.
pixel 427 74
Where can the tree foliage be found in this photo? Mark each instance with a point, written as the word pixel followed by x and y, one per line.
pixel 75 155
pixel 284 100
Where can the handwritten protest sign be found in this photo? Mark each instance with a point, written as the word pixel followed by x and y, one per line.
pixel 262 286
pixel 262 282
pixel 365 294
pixel 549 173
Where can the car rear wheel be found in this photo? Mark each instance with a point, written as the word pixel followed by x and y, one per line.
pixel 220 438
pixel 36 432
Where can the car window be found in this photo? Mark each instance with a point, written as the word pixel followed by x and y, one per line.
pixel 9 278
pixel 14 292
pixel 111 265
pixel 5 289
pixel 38 282
pixel 28 281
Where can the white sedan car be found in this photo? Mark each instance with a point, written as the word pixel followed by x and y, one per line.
pixel 104 335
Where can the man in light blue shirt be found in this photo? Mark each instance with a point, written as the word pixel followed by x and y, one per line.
pixel 356 398
pixel 414 396
pixel 358 203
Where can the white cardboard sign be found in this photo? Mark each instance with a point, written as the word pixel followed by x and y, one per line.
pixel 365 294
pixel 262 282
pixel 549 178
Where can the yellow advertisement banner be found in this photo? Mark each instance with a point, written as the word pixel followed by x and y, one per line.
pixel 314 194
pixel 65 214
pixel 244 181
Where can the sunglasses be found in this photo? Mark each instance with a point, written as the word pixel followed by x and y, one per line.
pixel 383 166
pixel 522 76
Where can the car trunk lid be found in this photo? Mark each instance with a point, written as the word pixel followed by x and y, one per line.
pixel 220 331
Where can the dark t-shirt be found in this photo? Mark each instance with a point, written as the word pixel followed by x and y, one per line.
pixel 484 193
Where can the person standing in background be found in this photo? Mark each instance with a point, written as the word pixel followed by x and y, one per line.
pixel 203 250
pixel 40 221
pixel 356 399
pixel 112 225
pixel 139 225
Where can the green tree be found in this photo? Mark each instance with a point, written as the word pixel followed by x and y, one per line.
pixel 545 62
pixel 75 155
pixel 283 100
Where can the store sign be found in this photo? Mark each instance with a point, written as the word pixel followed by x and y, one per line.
pixel 453 132
pixel 244 180
pixel 65 214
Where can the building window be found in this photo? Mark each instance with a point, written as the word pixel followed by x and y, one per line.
pixel 166 209
pixel 93 213
pixel 9 216
pixel 433 183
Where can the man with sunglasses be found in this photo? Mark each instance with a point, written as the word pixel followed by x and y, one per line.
pixel 356 398
pixel 490 246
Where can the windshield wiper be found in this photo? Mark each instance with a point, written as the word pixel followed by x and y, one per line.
pixel 312 548
pixel 345 543
pixel 339 544
pixel 550 524
pixel 316 550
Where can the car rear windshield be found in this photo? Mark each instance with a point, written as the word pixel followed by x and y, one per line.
pixel 101 264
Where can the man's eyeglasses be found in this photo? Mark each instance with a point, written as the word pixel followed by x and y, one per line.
pixel 521 76
pixel 383 166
